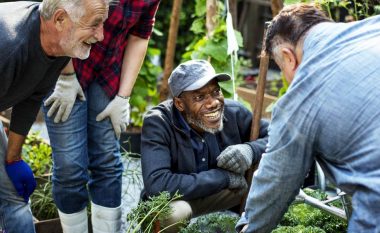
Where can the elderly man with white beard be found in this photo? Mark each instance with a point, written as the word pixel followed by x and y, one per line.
pixel 197 144
pixel 37 40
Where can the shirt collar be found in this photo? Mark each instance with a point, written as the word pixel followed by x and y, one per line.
pixel 182 122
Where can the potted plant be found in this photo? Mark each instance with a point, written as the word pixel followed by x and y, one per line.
pixel 44 210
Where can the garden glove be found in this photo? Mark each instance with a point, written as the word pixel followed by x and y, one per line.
pixel 22 178
pixel 236 181
pixel 118 111
pixel 236 158
pixel 63 98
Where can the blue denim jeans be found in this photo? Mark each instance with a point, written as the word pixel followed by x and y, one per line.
pixel 86 155
pixel 15 214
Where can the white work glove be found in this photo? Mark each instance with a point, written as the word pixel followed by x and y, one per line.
pixel 118 111
pixel 236 158
pixel 63 98
pixel 236 181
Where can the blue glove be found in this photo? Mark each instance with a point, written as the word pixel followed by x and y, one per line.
pixel 22 178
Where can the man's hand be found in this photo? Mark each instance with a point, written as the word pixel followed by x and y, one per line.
pixel 236 181
pixel 63 98
pixel 118 111
pixel 236 158
pixel 22 178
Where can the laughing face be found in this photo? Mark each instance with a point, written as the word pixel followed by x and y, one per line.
pixel 88 29
pixel 203 108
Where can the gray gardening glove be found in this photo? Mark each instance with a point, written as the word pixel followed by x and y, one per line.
pixel 236 158
pixel 63 98
pixel 118 111
pixel 236 181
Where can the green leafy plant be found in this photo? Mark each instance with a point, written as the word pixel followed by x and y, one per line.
pixel 306 215
pixel 298 229
pixel 148 213
pixel 42 203
pixel 212 223
pixel 37 153
pixel 213 48
pixel 346 10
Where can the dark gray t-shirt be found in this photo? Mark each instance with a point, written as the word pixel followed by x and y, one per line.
pixel 26 73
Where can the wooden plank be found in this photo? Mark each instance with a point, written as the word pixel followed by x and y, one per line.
pixel 248 95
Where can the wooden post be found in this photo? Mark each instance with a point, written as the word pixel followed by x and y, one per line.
pixel 170 48
pixel 211 11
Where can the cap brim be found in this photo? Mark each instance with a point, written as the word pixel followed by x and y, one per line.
pixel 203 81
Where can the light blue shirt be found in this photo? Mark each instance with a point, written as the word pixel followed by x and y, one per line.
pixel 330 113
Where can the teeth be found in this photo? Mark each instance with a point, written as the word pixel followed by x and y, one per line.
pixel 212 115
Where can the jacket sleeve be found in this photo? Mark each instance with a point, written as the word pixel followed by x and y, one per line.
pixel 280 174
pixel 156 161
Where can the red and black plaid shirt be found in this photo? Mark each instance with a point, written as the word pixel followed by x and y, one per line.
pixel 135 17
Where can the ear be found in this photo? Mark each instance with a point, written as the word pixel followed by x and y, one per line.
pixel 60 18
pixel 289 58
pixel 179 104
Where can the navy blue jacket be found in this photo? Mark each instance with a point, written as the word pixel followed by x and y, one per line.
pixel 167 156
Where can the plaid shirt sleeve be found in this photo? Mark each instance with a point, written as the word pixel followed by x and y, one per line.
pixel 144 28
pixel 134 17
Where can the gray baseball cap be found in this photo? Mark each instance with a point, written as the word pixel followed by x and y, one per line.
pixel 192 75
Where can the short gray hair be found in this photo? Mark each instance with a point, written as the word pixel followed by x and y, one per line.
pixel 73 7
pixel 291 25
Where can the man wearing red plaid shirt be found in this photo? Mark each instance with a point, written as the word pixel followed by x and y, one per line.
pixel 86 113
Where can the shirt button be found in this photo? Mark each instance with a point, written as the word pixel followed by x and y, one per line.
pixel 203 140
pixel 203 159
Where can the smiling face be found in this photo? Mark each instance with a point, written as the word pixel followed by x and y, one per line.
pixel 79 34
pixel 203 108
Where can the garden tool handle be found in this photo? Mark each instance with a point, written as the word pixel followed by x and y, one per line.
pixel 258 107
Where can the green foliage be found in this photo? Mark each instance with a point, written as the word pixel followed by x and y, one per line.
pixel 211 223
pixel 214 48
pixel 162 24
pixel 37 153
pixel 42 203
pixel 353 9
pixel 346 10
pixel 298 229
pixel 303 214
pixel 143 217
pixel 144 91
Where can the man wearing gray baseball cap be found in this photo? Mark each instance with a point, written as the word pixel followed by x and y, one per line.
pixel 197 144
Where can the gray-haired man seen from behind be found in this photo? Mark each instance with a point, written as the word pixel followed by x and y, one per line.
pixel 330 113
pixel 37 40
pixel 198 144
